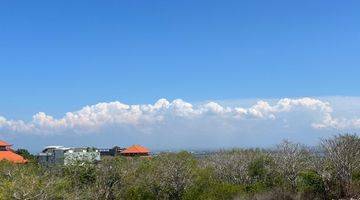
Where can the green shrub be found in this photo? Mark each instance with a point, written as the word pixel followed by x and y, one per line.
pixel 138 193
pixel 80 175
pixel 207 187
pixel 310 185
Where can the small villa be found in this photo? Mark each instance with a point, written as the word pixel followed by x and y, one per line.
pixel 6 153
pixel 136 150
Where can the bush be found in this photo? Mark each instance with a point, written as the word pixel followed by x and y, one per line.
pixel 310 185
pixel 274 194
pixel 80 175
pixel 291 171
pixel 29 182
pixel 354 190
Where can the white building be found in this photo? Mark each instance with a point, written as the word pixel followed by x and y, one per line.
pixel 60 155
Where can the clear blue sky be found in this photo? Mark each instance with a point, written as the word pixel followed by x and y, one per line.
pixel 58 56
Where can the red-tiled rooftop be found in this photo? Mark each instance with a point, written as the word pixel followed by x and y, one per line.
pixel 12 157
pixel 136 149
pixel 3 143
pixel 7 154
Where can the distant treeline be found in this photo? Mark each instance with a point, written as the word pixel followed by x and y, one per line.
pixel 288 171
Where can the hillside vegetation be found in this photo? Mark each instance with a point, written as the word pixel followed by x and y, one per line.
pixel 288 171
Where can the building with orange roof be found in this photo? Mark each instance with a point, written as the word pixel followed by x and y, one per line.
pixel 136 150
pixel 6 153
pixel 4 144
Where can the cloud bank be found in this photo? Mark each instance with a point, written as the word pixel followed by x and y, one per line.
pixel 178 114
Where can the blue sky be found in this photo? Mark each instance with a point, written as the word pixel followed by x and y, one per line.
pixel 57 57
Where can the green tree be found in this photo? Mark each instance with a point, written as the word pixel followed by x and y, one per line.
pixel 26 154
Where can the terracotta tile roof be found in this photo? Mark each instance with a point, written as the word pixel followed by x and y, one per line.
pixel 12 157
pixel 3 143
pixel 136 149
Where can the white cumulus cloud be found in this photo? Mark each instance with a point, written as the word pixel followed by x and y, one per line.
pixel 147 116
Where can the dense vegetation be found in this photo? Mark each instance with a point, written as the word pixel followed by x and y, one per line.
pixel 289 171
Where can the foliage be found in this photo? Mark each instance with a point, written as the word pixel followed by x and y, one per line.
pixel 289 171
pixel 310 185
pixel 26 154
pixel 342 154
pixel 206 186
